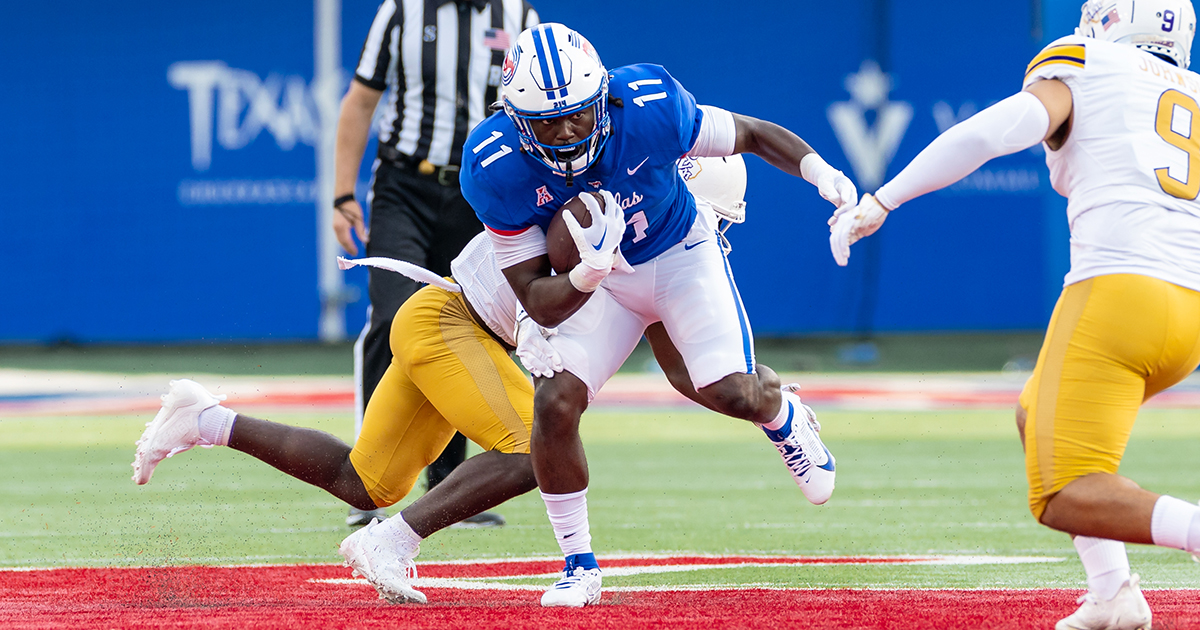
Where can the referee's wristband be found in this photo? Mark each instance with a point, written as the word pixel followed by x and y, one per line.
pixel 343 199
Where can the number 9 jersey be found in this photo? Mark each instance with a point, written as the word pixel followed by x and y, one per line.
pixel 1130 167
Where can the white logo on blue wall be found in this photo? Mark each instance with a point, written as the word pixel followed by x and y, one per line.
pixel 233 107
pixel 239 106
pixel 945 117
pixel 870 148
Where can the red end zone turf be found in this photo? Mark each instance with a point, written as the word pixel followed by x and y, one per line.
pixel 318 597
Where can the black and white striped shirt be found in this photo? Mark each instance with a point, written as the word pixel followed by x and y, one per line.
pixel 414 48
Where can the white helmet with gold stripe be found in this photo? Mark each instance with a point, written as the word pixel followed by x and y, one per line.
pixel 1161 27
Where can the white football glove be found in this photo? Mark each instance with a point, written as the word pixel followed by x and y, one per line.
pixel 832 184
pixel 850 226
pixel 598 244
pixel 534 349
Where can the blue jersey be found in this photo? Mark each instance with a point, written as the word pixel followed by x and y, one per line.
pixel 511 190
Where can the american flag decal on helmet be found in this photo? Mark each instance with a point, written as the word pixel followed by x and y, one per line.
pixel 1109 19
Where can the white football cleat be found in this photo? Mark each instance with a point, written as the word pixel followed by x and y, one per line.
pixel 385 562
pixel 175 429
pixel 811 464
pixel 1127 610
pixel 578 587
pixel 794 388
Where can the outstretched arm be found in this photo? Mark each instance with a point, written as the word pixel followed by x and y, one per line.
pixel 1014 124
pixel 789 153
pixel 1040 113
pixel 779 147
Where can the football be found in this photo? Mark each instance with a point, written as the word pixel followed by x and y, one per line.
pixel 560 247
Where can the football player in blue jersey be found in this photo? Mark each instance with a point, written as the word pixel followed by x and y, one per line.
pixel 571 126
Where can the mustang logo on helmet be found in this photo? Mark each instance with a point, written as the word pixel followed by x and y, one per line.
pixel 510 65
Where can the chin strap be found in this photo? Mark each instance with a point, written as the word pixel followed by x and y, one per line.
pixel 570 177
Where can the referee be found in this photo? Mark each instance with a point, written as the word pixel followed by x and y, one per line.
pixel 439 63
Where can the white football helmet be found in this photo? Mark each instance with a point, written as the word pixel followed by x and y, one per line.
pixel 1163 27
pixel 553 71
pixel 722 182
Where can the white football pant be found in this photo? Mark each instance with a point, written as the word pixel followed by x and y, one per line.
pixel 689 288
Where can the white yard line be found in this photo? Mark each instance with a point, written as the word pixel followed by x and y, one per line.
pixel 501 583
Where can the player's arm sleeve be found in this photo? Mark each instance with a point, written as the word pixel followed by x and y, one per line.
pixel 516 246
pixel 1015 123
pixel 717 134
pixel 376 56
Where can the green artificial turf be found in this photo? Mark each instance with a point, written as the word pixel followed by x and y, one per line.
pixel 663 481
pixel 932 352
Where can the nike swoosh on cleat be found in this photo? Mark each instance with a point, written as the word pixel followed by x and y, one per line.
pixel 828 465
pixel 686 247
pixel 633 170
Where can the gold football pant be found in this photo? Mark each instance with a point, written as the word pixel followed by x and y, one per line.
pixel 1114 341
pixel 447 373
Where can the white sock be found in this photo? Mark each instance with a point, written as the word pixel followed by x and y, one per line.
pixel 397 532
pixel 1175 524
pixel 568 515
pixel 781 416
pixel 1106 564
pixel 216 423
pixel 399 529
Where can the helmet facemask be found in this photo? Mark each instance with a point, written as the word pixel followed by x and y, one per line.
pixel 567 158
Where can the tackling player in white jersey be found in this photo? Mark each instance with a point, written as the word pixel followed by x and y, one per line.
pixel 1119 115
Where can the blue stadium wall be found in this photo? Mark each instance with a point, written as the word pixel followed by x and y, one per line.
pixel 157 161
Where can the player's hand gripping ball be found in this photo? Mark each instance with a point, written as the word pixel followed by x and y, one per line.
pixel 564 255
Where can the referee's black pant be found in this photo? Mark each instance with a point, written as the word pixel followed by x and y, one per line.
pixel 424 220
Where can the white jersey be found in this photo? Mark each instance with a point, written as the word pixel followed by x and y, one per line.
pixel 486 288
pixel 1130 168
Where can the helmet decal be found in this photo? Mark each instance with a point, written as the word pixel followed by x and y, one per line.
pixel 1110 19
pixel 689 168
pixel 548 57
pixel 510 65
